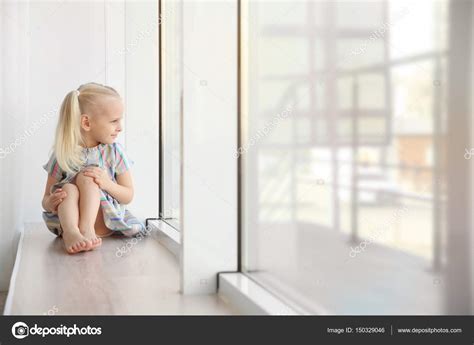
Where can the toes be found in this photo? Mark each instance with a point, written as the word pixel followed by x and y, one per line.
pixel 81 246
pixel 96 242
pixel 88 245
pixel 71 249
pixel 95 245
pixel 77 247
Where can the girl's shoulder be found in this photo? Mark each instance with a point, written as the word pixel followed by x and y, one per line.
pixel 116 153
pixel 113 149
pixel 52 167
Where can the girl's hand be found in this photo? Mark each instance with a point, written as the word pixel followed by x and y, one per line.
pixel 100 177
pixel 54 199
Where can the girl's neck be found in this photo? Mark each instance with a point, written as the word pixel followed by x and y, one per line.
pixel 88 143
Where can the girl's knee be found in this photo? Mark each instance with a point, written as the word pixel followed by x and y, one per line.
pixel 72 192
pixel 70 188
pixel 83 180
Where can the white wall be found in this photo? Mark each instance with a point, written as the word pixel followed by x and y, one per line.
pixel 50 48
pixel 13 114
pixel 472 162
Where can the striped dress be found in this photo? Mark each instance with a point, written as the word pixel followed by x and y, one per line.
pixel 112 158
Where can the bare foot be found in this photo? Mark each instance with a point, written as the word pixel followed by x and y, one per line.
pixel 92 238
pixel 75 242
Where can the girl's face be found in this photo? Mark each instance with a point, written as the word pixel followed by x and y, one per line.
pixel 104 126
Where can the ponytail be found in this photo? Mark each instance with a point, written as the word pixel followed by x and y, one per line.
pixel 69 142
pixel 68 134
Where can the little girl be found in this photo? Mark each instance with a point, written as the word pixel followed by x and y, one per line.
pixel 89 179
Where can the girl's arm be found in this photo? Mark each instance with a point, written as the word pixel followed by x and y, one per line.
pixel 122 191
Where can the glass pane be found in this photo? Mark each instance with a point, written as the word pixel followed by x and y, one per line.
pixel 344 199
pixel 171 93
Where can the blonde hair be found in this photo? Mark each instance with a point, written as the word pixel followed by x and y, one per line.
pixel 67 144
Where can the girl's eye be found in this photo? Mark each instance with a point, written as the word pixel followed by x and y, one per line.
pixel 115 121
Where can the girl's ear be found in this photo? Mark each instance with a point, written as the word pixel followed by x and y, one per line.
pixel 85 122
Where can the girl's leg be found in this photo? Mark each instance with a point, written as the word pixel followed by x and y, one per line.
pixel 68 213
pixel 89 203
pixel 101 230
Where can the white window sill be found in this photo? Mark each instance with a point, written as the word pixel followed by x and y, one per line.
pixel 249 298
pixel 166 235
